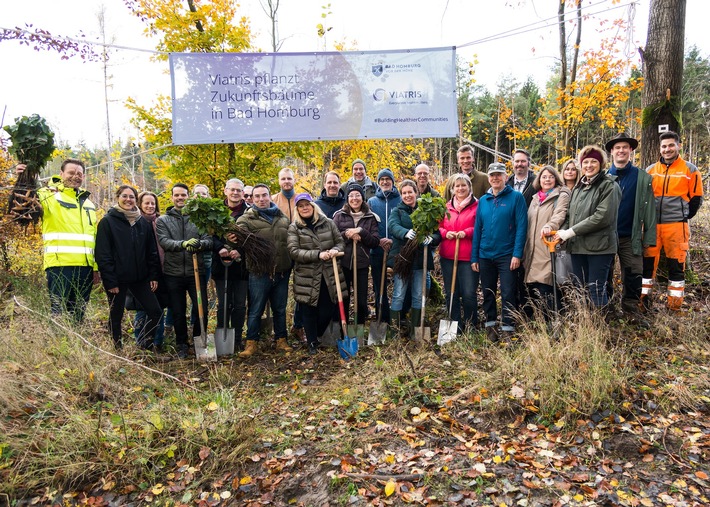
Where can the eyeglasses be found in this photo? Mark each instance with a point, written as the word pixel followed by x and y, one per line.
pixel 247 196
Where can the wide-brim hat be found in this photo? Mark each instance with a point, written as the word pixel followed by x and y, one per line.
pixel 621 138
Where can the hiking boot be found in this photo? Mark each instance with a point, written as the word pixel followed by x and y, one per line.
pixel 312 348
pixel 281 345
pixel 492 334
pixel 249 349
pixel 299 333
pixel 182 353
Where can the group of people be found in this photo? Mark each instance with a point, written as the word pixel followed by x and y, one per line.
pixel 492 236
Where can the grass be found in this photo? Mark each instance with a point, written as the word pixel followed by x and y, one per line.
pixel 73 417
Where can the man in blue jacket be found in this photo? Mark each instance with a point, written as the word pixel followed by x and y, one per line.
pixel 498 243
pixel 385 200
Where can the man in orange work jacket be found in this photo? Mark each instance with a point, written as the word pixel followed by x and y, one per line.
pixel 678 188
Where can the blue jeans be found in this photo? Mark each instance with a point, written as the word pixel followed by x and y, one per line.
pixel 491 271
pixel 465 293
pixel 69 290
pixel 400 291
pixel 262 289
pixel 591 272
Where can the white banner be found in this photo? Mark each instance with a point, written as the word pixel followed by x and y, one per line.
pixel 255 97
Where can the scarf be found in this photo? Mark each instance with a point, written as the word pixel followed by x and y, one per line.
pixel 269 213
pixel 288 194
pixel 236 210
pixel 357 216
pixel 542 195
pixel 459 205
pixel 131 215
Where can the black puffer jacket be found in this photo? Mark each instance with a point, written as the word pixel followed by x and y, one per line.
pixel 125 253
pixel 173 228
pixel 369 235
pixel 305 246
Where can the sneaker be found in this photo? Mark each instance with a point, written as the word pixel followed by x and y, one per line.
pixel 182 353
pixel 312 349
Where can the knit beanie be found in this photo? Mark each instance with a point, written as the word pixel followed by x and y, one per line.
pixel 359 160
pixel 385 172
pixel 354 187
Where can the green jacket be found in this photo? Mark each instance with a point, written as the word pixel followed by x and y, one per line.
pixel 304 247
pixel 643 231
pixel 592 215
pixel 276 231
pixel 68 226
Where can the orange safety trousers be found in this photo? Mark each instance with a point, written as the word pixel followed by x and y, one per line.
pixel 674 239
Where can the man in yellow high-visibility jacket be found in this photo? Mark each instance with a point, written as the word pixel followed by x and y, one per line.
pixel 69 234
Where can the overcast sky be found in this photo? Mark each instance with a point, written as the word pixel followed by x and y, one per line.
pixel 70 94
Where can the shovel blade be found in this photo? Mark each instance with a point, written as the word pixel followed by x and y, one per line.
pixel 205 349
pixel 331 335
pixel 378 333
pixel 447 331
pixel 348 347
pixel 420 335
pixel 357 331
pixel 224 341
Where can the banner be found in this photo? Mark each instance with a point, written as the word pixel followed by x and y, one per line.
pixel 255 97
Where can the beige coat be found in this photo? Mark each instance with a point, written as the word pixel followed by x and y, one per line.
pixel 551 212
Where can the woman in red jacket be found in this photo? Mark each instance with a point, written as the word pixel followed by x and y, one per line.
pixel 459 224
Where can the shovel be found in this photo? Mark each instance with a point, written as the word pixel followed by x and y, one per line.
pixel 224 336
pixel 422 333
pixel 449 328
pixel 551 243
pixel 347 347
pixel 378 330
pixel 356 330
pixel 205 349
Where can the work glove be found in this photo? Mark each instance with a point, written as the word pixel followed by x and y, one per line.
pixel 427 240
pixel 410 234
pixel 191 245
pixel 565 234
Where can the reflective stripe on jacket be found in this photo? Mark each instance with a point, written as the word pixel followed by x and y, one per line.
pixel 68 226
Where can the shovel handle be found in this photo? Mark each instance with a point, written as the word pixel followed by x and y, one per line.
pixel 355 278
pixel 343 322
pixel 198 290
pixel 453 275
pixel 550 241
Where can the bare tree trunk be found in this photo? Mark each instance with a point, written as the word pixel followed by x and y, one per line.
pixel 565 79
pixel 104 61
pixel 663 74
